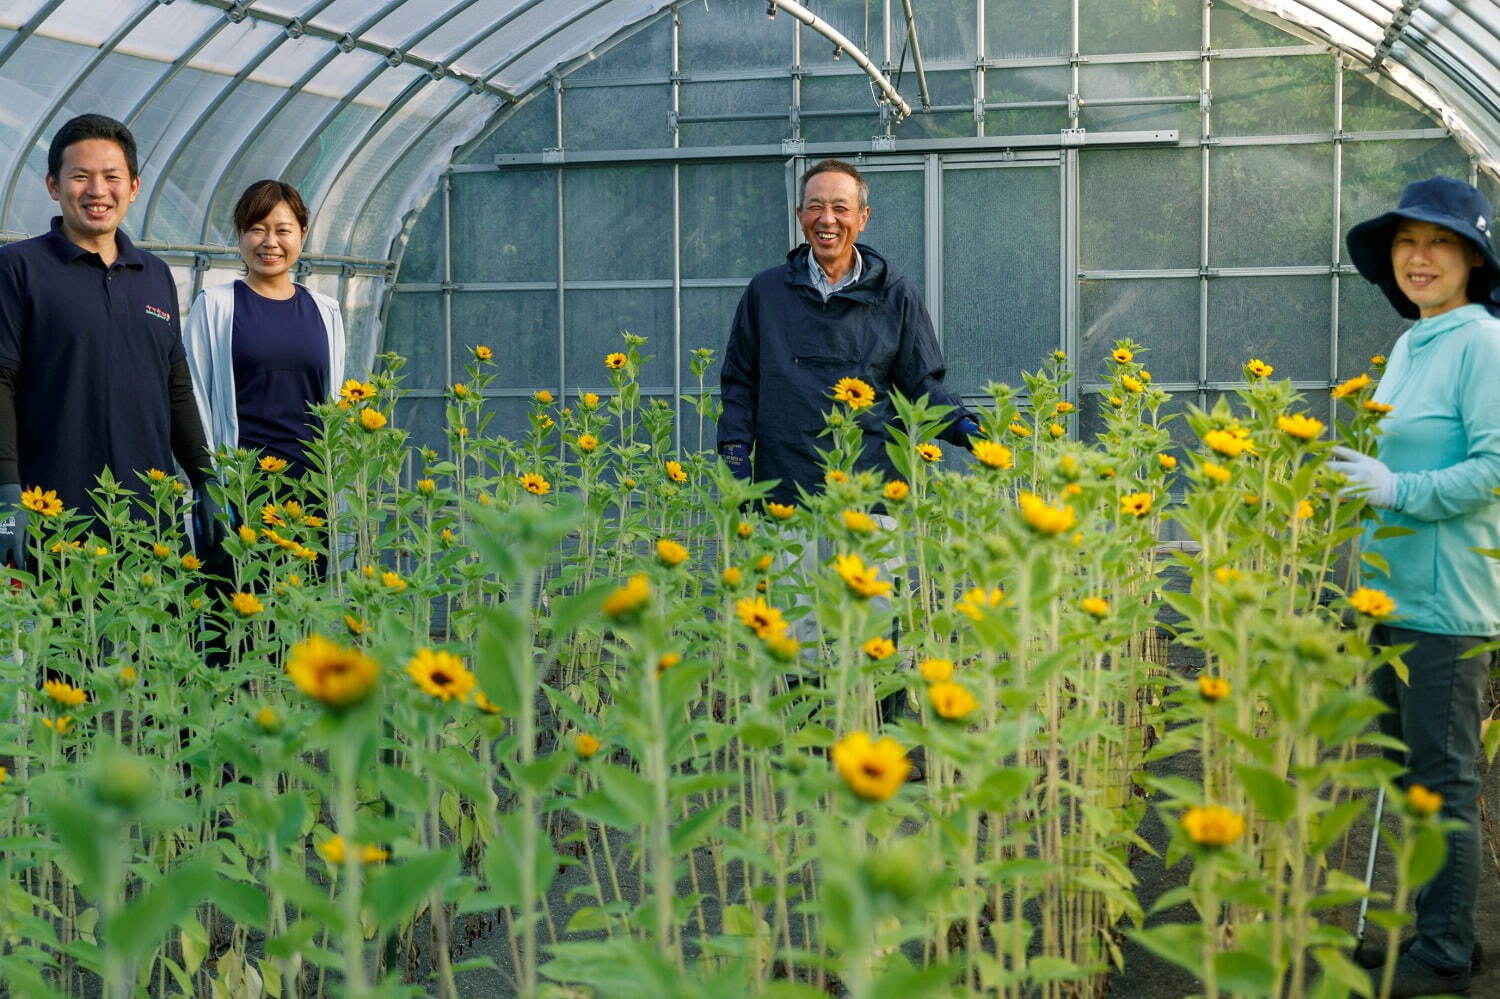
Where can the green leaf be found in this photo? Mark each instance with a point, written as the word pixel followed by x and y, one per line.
pixel 1338 968
pixel 1427 855
pixel 1490 738
pixel 542 773
pixel 1271 795
pixel 1243 973
pixel 141 925
pixel 688 833
pixel 627 790
pixel 1392 531
pixel 193 939
pixel 1180 943
pixel 396 891
pixel 80 833
pixel 244 903
pixel 588 919
pixel 739 921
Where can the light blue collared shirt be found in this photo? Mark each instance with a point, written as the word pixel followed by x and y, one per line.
pixel 820 281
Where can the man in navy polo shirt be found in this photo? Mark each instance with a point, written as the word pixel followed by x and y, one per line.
pixel 92 371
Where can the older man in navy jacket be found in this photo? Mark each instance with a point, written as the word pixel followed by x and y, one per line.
pixel 834 310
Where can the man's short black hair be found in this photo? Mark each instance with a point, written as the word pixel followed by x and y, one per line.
pixel 91 126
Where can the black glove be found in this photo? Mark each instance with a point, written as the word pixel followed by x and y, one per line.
pixel 208 526
pixel 13 522
pixel 737 457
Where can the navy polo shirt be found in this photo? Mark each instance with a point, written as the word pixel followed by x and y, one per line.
pixel 91 347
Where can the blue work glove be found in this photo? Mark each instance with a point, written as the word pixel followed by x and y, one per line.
pixel 13 522
pixel 737 457
pixel 208 526
pixel 969 429
pixel 1368 477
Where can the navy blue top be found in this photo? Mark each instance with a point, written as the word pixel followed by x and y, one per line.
pixel 92 347
pixel 280 370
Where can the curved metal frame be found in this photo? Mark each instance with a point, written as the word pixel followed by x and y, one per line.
pixel 44 119
pixel 208 112
pixel 177 66
pixel 265 120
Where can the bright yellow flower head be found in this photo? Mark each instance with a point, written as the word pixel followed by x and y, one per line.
pixel 60 725
pixel 334 852
pixel 864 582
pixel 978 600
pixel 835 476
pixel 65 694
pixel 1214 473
pixel 483 353
pixel 1213 688
pixel 896 491
pixel 1064 407
pixel 873 770
pixel 930 452
pixel 1256 368
pixel 127 676
pixel 271 464
pixel 354 390
pixel 1122 355
pixel 460 390
pixel 585 745
pixel 951 700
pixel 1378 361
pixel 1382 408
pixel 392 581
pixel 1166 462
pixel 441 675
pixel 675 472
pixel 1094 606
pixel 936 670
pixel 1044 518
pixel 484 704
pixel 1226 442
pixel 156 475
pixel 667 660
pixel 335 675
pixel 732 575
pixel 1422 801
pixel 544 397
pixel 760 617
pixel 859 522
pixel 587 442
pixel 1116 401
pixel 1056 430
pixel 783 647
pixel 1132 384
pixel 670 553
pixel 781 511
pixel 247 534
pixel 45 503
pixel 267 720
pixel 1019 429
pixel 371 418
pixel 589 400
pixel 854 393
pixel 160 550
pixel 1300 426
pixel 1213 825
pixel 535 484
pixel 879 648
pixel 993 454
pixel 1304 510
pixel 744 529
pixel 1226 574
pixel 628 598
pixel 355 625
pixel 1350 387
pixel 1136 504
pixel 1372 603
pixel 246 604
pixel 614 362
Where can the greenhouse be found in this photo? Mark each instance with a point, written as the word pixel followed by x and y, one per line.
pixel 539 553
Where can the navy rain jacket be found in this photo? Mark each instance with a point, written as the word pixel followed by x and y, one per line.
pixel 788 347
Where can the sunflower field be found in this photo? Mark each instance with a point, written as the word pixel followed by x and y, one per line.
pixel 583 695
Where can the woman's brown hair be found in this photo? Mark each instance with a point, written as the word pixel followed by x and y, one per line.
pixel 261 198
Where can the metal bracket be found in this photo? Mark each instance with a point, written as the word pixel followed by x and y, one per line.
pixel 303 268
pixel 200 260
pixel 674 122
pixel 794 116
pixel 347 43
pixel 346 270
pixel 1208 272
pixel 164 3
pixel 437 71
pixel 450 286
pixel 882 144
pixel 239 11
pixel 1006 155
pixel 552 155
pixel 1074 103
pixel 1205 100
pixel 476 86
pixel 1073 137
pixel 394 58
pixel 294 28
pixel 793 147
pixel 979 109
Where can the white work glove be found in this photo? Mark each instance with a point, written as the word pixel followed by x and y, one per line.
pixel 1368 477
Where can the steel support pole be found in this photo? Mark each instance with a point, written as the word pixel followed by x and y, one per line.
pixel 676 239
pixel 1336 250
pixel 1205 110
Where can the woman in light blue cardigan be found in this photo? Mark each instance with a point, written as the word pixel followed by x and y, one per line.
pixel 263 350
pixel 1434 473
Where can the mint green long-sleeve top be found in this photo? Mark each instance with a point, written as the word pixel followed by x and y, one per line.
pixel 1442 439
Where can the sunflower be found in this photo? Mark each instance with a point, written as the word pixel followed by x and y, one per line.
pixel 1044 518
pixel 873 770
pixel 1256 368
pixel 246 604
pixel 936 670
pixel 1213 688
pixel 335 675
pixel 675 472
pixel 993 454
pixel 879 648
pixel 441 675
pixel 585 745
pixel 1372 603
pixel 614 362
pixel 978 600
pixel 1132 385
pixel 629 598
pixel 392 581
pixel 371 419
pixel 589 400
pixel 587 442
pixel 1300 426
pixel 535 484
pixel 1422 801
pixel 760 617
pixel 1094 606
pixel 1018 428
pixel 1226 442
pixel 60 725
pixel 930 452
pixel 45 503
pixel 837 476
pixel 460 390
pixel 271 464
pixel 1136 504
pixel 781 511
pixel 670 553
pixel 1377 361
pixel 896 491
pixel 854 393
pixel 732 575
pixel 1166 462
pixel 1383 408
pixel 864 582
pixel 1213 825
pixel 1122 355
pixel 354 391
pixel 1214 473
pixel 1350 387
pixel 543 397
pixel 483 353
pixel 951 700
pixel 65 694
pixel 859 522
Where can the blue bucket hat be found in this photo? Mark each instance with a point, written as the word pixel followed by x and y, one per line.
pixel 1443 201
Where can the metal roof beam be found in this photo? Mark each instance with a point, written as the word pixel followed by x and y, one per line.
pixel 828 31
pixel 1394 31
pixel 348 41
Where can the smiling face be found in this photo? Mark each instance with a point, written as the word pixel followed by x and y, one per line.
pixel 270 246
pixel 832 217
pixel 94 189
pixel 1432 266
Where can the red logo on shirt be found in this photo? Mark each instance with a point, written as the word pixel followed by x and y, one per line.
pixel 161 314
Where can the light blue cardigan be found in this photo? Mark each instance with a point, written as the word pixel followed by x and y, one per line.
pixel 208 339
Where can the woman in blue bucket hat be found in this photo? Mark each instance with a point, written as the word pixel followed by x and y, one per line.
pixel 1435 468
